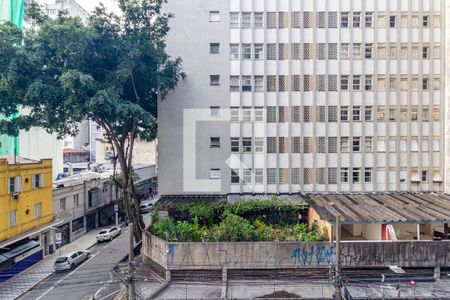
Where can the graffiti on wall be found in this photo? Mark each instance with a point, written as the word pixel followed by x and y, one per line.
pixel 313 255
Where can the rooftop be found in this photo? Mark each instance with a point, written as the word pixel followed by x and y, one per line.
pixel 383 208
pixel 12 160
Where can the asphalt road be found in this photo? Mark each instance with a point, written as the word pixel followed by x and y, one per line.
pixel 92 277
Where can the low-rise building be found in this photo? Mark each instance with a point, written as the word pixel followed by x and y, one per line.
pixel 26 213
pixel 83 202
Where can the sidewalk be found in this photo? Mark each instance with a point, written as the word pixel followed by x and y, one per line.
pixel 24 281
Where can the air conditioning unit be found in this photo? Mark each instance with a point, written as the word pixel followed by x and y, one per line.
pixel 15 196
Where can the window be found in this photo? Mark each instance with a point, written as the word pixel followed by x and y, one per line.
pixel 321 51
pixel 308 19
pixel 392 21
pixel 308 114
pixel 368 143
pixel 368 113
pixel 356 82
pixel 332 113
pixel 246 51
pixel 355 175
pixel 321 19
pixel 308 145
pixel 344 82
pixel 235 146
pixel 259 83
pixel 308 175
pixel 308 83
pixel 295 145
pixel 308 51
pixel 344 174
pixel 425 84
pixel 271 114
pixel 247 144
pixel 424 176
pixel 436 21
pixel 259 176
pixel 425 52
pixel 357 113
pixel 357 51
pixel 246 114
pixel 214 111
pixel 271 145
pixel 368 82
pixel 321 145
pixel 271 20
pixel 214 79
pixel 345 53
pixel 259 114
pixel 247 176
pixel 214 48
pixel 381 145
pixel 356 19
pixel 425 21
pixel 234 20
pixel 344 20
pixel 332 19
pixel 381 21
pixel 234 51
pixel 37 181
pixel 332 51
pixel 295 175
pixel 295 51
pixel 332 175
pixel 14 184
pixel 367 174
pixel 344 113
pixel 246 83
pixel 369 19
pixel 332 145
pixel 259 144
pixel 234 83
pixel 368 51
pixel 76 200
pixel 271 176
pixel 214 173
pixel 344 144
pixel 356 144
pixel 214 16
pixel 259 51
pixel 283 20
pixel 12 218
pixel 215 142
pixel 271 83
pixel 295 19
pixel 258 20
pixel 271 53
pixel 235 176
pixel 234 114
pixel 246 20
pixel 37 210
pixel 62 204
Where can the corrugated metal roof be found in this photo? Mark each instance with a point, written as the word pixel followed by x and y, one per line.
pixel 382 208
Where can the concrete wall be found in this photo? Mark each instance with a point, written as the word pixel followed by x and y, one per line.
pixel 192 21
pixel 268 255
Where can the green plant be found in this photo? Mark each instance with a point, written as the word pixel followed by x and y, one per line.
pixel 233 228
pixel 165 228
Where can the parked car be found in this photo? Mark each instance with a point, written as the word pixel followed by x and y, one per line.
pixel 108 234
pixel 71 260
pixel 145 207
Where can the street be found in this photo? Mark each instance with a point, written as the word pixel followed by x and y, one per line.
pixel 92 277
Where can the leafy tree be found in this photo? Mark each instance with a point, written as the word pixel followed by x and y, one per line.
pixel 112 69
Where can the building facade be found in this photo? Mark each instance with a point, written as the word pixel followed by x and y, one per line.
pixel 305 96
pixel 26 210
pixel 83 202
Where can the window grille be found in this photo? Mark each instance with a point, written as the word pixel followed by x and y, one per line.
pixel 321 19
pixel 308 83
pixel 283 114
pixel 308 49
pixel 332 19
pixel 271 145
pixel 321 83
pixel 283 176
pixel 308 19
pixel 295 175
pixel 321 145
pixel 295 51
pixel 321 175
pixel 271 114
pixel 271 83
pixel 307 114
pixel 271 51
pixel 332 51
pixel 295 114
pixel 321 51
pixel 308 145
pixel 332 83
pixel 332 113
pixel 283 20
pixel 271 176
pixel 283 83
pixel 332 145
pixel 332 175
pixel 283 51
pixel 296 83
pixel 295 20
pixel 295 145
pixel 308 176
pixel 321 114
pixel 271 20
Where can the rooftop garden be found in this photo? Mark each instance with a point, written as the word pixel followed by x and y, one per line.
pixel 271 219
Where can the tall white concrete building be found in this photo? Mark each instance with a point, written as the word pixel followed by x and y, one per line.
pixel 305 96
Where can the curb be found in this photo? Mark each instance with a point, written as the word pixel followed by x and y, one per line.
pixel 50 274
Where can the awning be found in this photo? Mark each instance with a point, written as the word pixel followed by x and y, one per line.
pixel 18 250
pixel 437 177
pixel 29 233
pixel 382 208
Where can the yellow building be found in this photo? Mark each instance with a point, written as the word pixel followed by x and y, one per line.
pixel 26 208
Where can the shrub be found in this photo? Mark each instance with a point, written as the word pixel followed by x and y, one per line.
pixel 233 228
pixel 165 228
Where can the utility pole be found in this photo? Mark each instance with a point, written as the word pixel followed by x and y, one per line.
pixel 337 278
pixel 131 264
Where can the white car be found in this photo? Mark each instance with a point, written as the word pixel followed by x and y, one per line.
pixel 108 234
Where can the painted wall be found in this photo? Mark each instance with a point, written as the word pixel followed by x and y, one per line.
pixel 268 255
pixel 28 197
